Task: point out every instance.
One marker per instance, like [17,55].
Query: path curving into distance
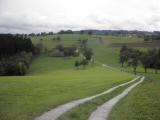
[58,111]
[103,111]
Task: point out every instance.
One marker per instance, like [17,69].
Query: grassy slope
[51,82]
[25,97]
[66,40]
[45,64]
[103,54]
[142,103]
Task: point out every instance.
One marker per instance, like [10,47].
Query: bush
[84,62]
[38,48]
[88,54]
[56,53]
[58,38]
[77,64]
[61,51]
[17,64]
[22,68]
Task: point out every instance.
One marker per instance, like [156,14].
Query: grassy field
[46,65]
[53,81]
[23,98]
[143,102]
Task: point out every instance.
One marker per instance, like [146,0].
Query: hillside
[54,81]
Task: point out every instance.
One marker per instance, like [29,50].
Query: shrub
[77,64]
[17,64]
[38,48]
[84,62]
[61,51]
[22,68]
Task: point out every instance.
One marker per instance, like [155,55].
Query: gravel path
[103,111]
[57,112]
[105,65]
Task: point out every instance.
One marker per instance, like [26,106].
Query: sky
[27,16]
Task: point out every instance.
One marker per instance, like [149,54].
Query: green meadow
[53,81]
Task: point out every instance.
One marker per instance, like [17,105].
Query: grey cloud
[116,24]
[21,24]
[34,20]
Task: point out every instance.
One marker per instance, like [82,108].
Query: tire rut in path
[103,111]
[58,111]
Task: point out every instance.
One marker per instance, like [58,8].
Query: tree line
[12,44]
[16,52]
[62,51]
[134,58]
[152,37]
[52,33]
[41,34]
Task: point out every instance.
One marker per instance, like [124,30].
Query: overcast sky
[26,16]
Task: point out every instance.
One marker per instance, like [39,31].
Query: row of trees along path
[134,58]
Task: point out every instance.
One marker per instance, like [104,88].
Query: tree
[134,64]
[12,44]
[156,60]
[1,68]
[83,43]
[15,53]
[32,34]
[88,54]
[58,38]
[43,33]
[84,62]
[53,39]
[50,33]
[66,32]
[123,58]
[134,60]
[147,38]
[124,55]
[145,60]
[123,48]
[90,32]
[60,47]
[82,32]
[21,68]
[77,64]
[38,48]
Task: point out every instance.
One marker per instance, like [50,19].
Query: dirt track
[103,111]
[57,112]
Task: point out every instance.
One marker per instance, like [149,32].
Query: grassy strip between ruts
[83,111]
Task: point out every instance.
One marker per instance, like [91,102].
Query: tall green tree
[134,60]
[124,55]
[145,60]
